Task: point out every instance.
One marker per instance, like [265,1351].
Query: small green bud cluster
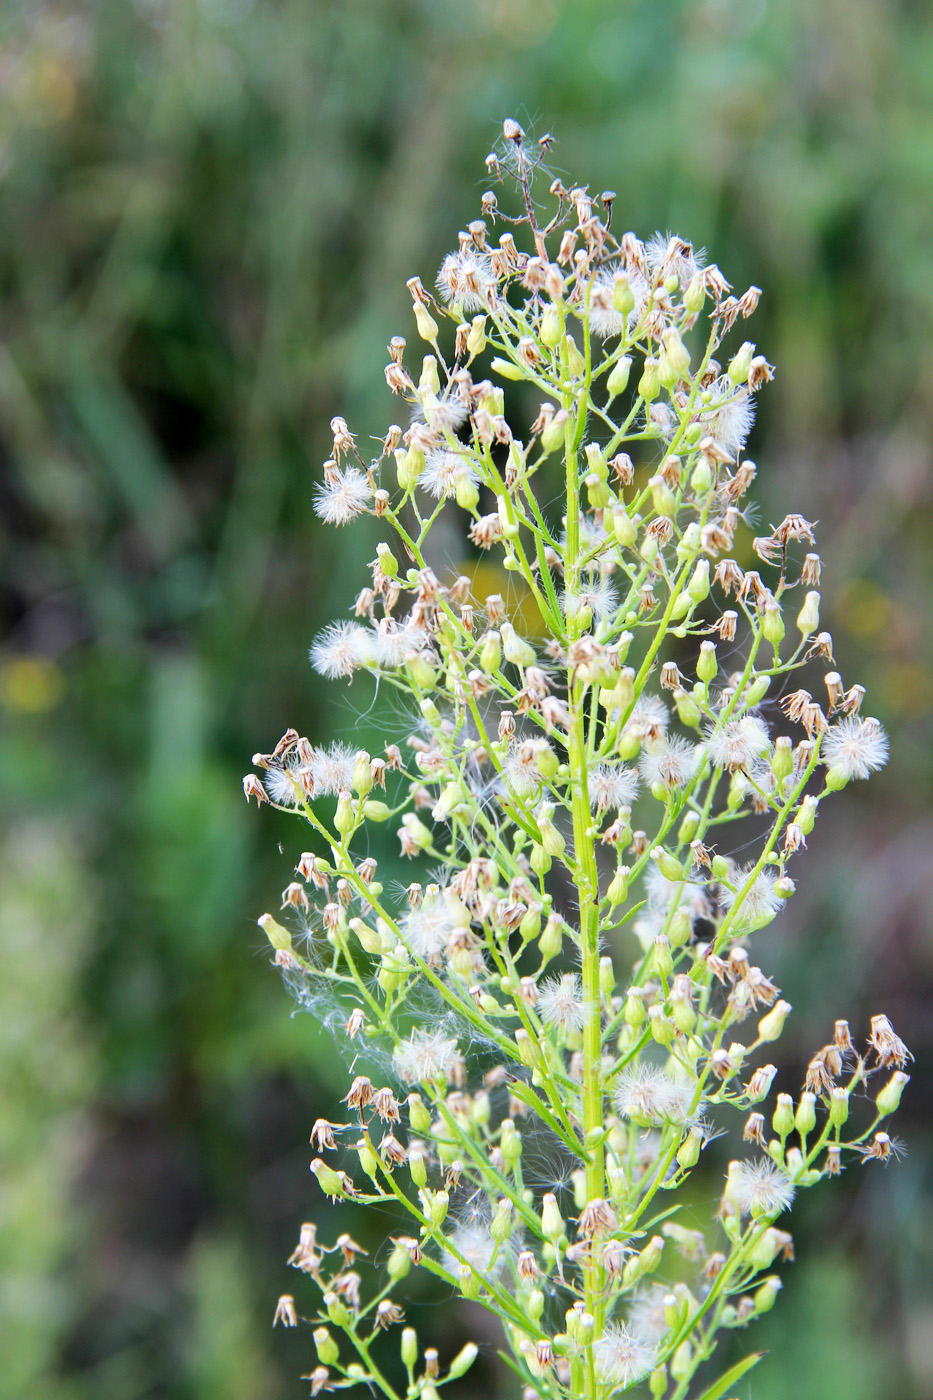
[582,740]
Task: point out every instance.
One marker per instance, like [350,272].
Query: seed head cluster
[523,910]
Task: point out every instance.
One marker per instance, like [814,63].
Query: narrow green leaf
[726,1382]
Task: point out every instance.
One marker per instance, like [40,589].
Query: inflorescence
[581,744]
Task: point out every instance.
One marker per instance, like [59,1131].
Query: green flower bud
[682,1362]
[680,929]
[398,1265]
[683,604]
[678,356]
[617,893]
[598,494]
[362,773]
[688,828]
[719,868]
[429,383]
[418,1115]
[416,1165]
[772,623]
[529,1052]
[450,799]
[644,1263]
[688,711]
[539,860]
[417,830]
[501,1225]
[548,765]
[369,938]
[595,460]
[626,532]
[551,330]
[701,478]
[839,1106]
[510,1142]
[552,434]
[765,1250]
[277,934]
[805,815]
[421,671]
[683,1014]
[756,692]
[741,363]
[662,1030]
[344,818]
[617,381]
[668,865]
[782,759]
[805,1117]
[634,1009]
[517,651]
[623,298]
[551,940]
[530,925]
[534,1304]
[662,497]
[695,294]
[337,1310]
[575,361]
[506,369]
[783,1120]
[427,326]
[387,560]
[808,619]
[688,1153]
[437,1207]
[490,656]
[463,1361]
[466,492]
[552,1222]
[327,1349]
[766,1295]
[698,587]
[476,337]
[889,1097]
[657,1382]
[471,1286]
[771,1025]
[707,665]
[650,382]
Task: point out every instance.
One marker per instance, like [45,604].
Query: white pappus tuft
[465,279]
[758,904]
[671,761]
[612,787]
[341,649]
[854,748]
[737,743]
[758,1188]
[648,1095]
[596,593]
[343,498]
[621,1358]
[444,471]
[427,1055]
[560,1002]
[669,255]
[428,929]
[732,419]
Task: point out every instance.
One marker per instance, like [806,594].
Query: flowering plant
[571,973]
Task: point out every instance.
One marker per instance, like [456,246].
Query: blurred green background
[208,209]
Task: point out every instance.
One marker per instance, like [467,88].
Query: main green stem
[587,880]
